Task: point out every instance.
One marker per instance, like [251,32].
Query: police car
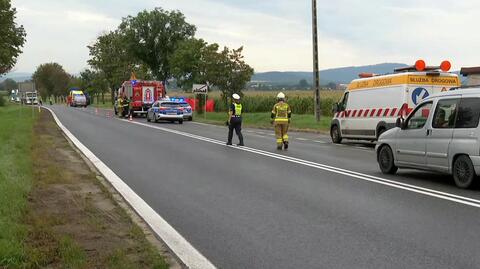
[165,110]
[187,111]
[372,103]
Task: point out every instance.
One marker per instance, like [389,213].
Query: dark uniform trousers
[235,124]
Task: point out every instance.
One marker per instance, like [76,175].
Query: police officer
[281,114]
[235,120]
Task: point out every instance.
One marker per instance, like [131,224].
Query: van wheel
[335,134]
[386,161]
[180,122]
[464,172]
[148,119]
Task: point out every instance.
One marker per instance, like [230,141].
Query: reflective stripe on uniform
[281,111]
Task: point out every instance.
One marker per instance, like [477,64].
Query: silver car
[440,134]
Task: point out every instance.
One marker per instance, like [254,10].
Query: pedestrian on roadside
[281,114]
[235,120]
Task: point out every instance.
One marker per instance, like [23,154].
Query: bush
[2,100]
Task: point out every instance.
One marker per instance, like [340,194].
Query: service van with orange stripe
[372,103]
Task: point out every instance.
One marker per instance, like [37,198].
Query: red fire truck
[142,94]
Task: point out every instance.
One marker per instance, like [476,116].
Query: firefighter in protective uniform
[281,114]
[235,120]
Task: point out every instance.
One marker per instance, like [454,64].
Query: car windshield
[184,104]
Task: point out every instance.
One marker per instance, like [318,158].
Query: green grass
[16,133]
[107,104]
[71,254]
[262,120]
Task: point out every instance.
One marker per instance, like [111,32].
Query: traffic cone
[130,118]
[108,114]
[96,111]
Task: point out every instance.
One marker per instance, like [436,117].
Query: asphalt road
[256,209]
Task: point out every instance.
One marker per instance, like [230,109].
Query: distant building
[342,87]
[472,74]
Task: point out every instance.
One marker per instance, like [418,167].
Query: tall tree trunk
[103,98]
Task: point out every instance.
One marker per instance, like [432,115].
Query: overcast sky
[276,34]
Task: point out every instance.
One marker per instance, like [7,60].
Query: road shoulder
[76,219]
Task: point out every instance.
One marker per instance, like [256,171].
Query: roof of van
[406,78]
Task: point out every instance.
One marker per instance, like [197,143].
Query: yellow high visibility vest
[281,111]
[238,109]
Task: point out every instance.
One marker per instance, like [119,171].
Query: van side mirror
[400,123]
[335,108]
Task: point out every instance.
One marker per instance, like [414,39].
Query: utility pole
[316,74]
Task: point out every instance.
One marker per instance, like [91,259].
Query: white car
[441,134]
[165,110]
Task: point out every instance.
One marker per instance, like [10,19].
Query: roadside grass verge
[16,133]
[262,120]
[54,212]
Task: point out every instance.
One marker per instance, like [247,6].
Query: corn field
[301,102]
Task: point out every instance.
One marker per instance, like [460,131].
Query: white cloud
[276,34]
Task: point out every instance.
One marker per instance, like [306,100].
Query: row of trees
[161,45]
[52,80]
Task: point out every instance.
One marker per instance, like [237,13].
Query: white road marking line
[302,139]
[319,141]
[190,256]
[391,183]
[206,124]
[364,148]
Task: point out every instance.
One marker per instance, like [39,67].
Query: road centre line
[337,170]
[187,253]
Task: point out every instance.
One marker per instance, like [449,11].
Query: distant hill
[337,75]
[17,76]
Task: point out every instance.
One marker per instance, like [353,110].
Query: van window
[343,105]
[445,114]
[468,113]
[419,117]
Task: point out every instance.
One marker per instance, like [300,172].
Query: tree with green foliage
[111,58]
[8,85]
[332,85]
[51,79]
[153,36]
[12,37]
[232,73]
[194,62]
[303,84]
[94,83]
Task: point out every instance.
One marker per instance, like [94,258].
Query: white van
[371,104]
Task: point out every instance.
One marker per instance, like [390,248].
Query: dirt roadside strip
[76,219]
[186,254]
